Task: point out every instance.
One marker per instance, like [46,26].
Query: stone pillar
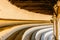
[57,21]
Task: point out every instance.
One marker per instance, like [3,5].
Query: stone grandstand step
[45,35]
[50,37]
[28,33]
[40,32]
[4,35]
[7,22]
[14,29]
[37,37]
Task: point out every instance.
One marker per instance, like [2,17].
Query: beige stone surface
[9,11]
[7,24]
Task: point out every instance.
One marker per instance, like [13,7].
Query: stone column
[57,21]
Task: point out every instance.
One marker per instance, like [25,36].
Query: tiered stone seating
[25,32]
[28,29]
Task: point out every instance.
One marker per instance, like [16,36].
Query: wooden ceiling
[38,6]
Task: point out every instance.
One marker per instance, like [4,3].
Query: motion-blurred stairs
[29,30]
[24,30]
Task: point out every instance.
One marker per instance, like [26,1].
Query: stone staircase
[27,32]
